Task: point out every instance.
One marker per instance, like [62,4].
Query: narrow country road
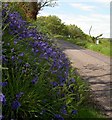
[93,68]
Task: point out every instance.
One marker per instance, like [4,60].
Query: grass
[87,109]
[89,112]
[103,47]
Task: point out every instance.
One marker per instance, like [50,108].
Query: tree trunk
[30,9]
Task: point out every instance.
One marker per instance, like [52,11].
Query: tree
[51,24]
[75,32]
[32,8]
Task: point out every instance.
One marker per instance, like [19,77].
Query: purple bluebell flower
[35,44]
[15,42]
[72,80]
[62,95]
[15,105]
[39,38]
[59,117]
[19,95]
[49,50]
[3,84]
[61,84]
[35,80]
[61,79]
[5,5]
[54,84]
[64,111]
[27,65]
[74,112]
[23,71]
[2,98]
[13,57]
[4,59]
[12,50]
[3,12]
[21,54]
[36,51]
[1,117]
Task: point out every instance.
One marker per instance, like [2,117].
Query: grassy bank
[103,47]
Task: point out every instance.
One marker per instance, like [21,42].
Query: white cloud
[82,6]
[99,22]
[100,1]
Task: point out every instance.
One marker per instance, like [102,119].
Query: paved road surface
[93,68]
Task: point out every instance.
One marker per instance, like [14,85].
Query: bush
[37,78]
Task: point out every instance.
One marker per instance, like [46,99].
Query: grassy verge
[103,47]
[89,112]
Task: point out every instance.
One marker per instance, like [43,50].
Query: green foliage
[53,26]
[75,32]
[50,25]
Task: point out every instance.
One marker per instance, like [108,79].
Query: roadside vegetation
[38,81]
[55,28]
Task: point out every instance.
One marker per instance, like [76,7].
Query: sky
[84,14]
